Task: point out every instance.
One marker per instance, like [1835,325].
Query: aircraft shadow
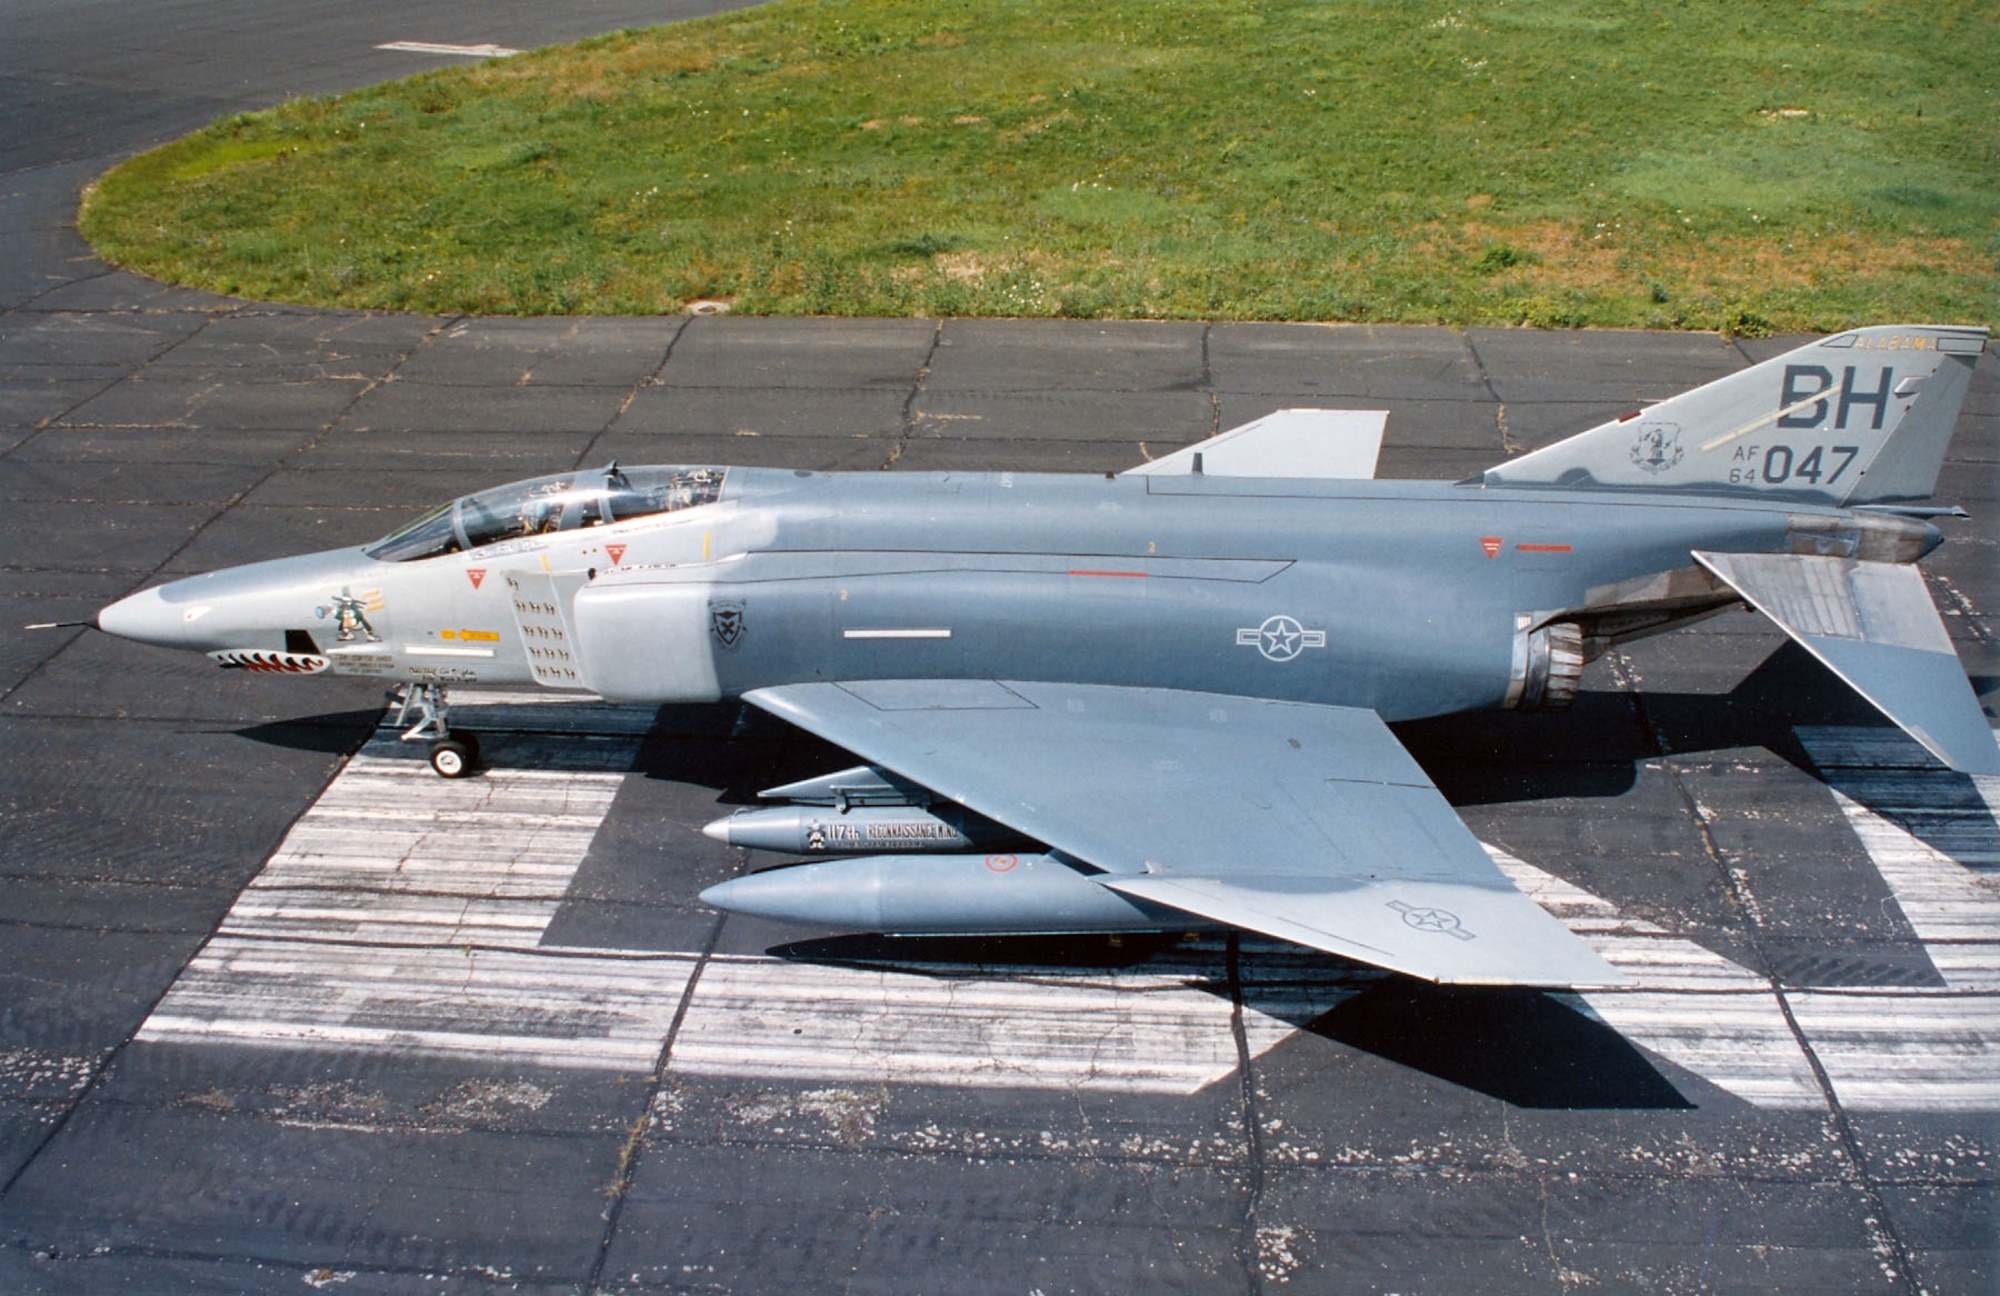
[336,733]
[1803,713]
[1790,705]
[1523,1047]
[1495,757]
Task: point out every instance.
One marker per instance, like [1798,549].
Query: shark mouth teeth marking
[267,662]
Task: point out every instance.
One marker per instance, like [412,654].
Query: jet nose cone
[148,618]
[718,830]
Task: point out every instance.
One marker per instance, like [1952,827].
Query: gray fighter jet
[1159,699]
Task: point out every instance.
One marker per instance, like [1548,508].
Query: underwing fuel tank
[859,830]
[944,895]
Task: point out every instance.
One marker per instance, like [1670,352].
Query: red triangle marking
[1491,544]
[616,551]
[475,575]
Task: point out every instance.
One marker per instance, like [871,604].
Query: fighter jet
[1161,699]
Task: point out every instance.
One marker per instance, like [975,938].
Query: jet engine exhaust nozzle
[1548,667]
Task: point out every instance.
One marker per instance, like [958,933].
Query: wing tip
[1564,965]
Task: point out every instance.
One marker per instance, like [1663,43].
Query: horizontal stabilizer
[1288,443]
[1427,929]
[1874,625]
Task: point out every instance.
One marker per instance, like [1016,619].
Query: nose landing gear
[455,757]
[454,753]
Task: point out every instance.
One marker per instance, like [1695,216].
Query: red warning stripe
[1543,548]
[1079,571]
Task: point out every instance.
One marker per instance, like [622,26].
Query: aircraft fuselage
[1409,598]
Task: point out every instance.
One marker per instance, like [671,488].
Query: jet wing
[1308,823]
[1874,625]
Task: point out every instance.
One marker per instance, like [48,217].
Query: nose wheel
[455,757]
[424,710]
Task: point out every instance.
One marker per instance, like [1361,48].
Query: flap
[1308,823]
[1874,625]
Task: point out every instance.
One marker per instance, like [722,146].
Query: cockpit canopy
[563,502]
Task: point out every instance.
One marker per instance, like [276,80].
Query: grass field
[1749,165]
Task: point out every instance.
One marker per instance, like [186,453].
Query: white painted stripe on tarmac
[1954,911]
[1896,1049]
[405,912]
[1906,1052]
[1687,1003]
[1957,814]
[433,47]
[1917,1051]
[1653,957]
[517,1005]
[1125,1031]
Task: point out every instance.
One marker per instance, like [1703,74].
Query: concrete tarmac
[279,1007]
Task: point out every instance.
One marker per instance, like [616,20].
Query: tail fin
[1862,417]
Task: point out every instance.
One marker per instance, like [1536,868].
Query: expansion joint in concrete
[1509,447]
[1881,1230]
[1248,1250]
[917,388]
[634,1150]
[651,378]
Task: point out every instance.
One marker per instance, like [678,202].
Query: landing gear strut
[423,707]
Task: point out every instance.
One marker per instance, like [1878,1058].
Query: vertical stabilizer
[1860,417]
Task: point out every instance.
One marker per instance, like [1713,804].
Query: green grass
[1750,165]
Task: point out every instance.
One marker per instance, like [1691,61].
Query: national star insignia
[1281,638]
